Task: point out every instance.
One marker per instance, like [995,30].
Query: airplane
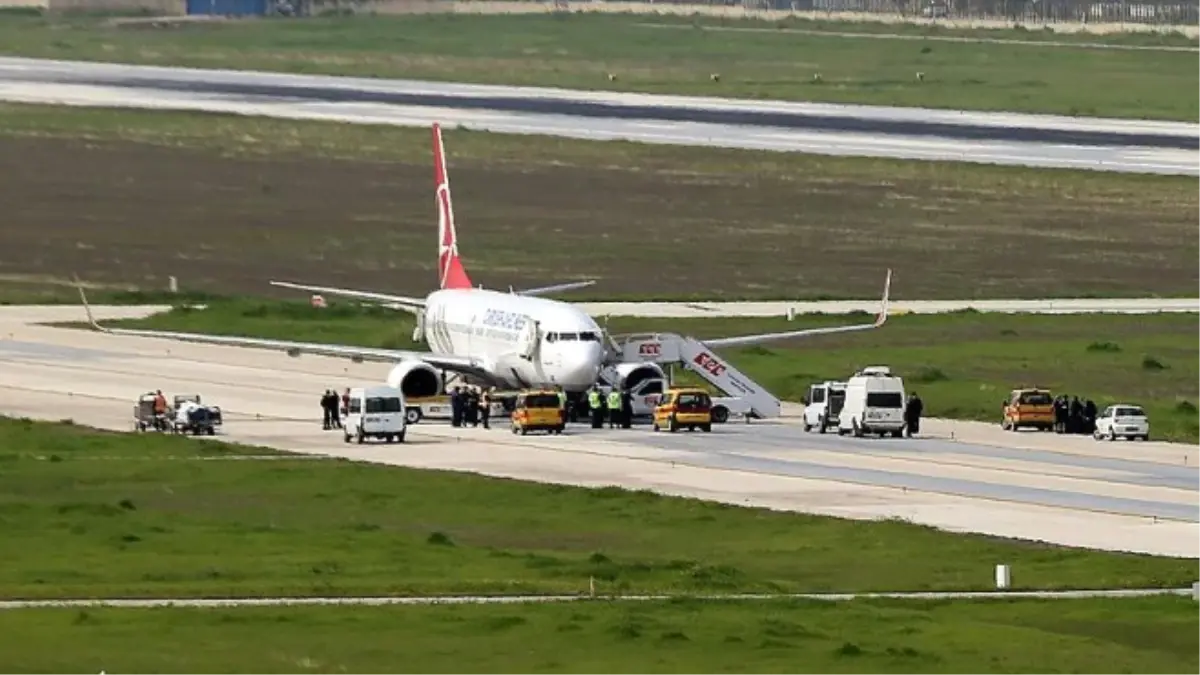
[510,340]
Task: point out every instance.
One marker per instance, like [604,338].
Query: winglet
[883,305]
[86,307]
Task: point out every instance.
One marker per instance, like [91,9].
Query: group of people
[471,406]
[333,408]
[1072,416]
[616,407]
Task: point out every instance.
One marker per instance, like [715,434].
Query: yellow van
[684,407]
[1028,407]
[536,410]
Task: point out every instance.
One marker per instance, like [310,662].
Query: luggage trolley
[144,418]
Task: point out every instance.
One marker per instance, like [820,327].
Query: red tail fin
[450,268]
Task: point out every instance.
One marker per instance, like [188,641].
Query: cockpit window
[573,337]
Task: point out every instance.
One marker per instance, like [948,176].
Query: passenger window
[818,395]
[355,406]
[551,337]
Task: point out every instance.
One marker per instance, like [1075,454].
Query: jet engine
[630,375]
[415,379]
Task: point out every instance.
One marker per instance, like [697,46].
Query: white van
[375,412]
[824,405]
[874,403]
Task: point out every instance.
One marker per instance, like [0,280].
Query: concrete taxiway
[681,310]
[961,476]
[380,601]
[999,138]
[701,310]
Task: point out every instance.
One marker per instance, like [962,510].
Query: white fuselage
[524,341]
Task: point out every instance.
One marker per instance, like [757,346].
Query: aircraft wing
[556,288]
[744,340]
[399,301]
[457,364]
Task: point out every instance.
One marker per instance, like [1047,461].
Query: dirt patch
[131,213]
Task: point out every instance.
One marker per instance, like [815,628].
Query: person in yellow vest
[562,401]
[614,407]
[595,405]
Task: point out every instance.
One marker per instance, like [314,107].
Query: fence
[1146,13]
[1062,14]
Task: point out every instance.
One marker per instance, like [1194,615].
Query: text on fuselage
[495,318]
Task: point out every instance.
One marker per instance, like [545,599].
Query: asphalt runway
[1000,138]
[960,476]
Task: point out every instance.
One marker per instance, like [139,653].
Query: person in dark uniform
[1075,421]
[1060,414]
[626,409]
[335,417]
[456,407]
[912,415]
[326,418]
[1089,417]
[472,407]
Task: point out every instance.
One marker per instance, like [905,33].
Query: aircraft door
[419,329]
[528,340]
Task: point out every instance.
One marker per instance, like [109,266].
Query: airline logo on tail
[451,273]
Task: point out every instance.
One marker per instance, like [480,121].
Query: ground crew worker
[595,404]
[160,410]
[614,407]
[562,401]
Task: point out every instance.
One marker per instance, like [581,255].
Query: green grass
[828,221]
[580,50]
[962,364]
[1077,636]
[90,514]
[48,291]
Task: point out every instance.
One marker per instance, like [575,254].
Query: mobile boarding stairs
[747,399]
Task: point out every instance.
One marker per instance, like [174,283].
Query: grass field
[962,364]
[580,50]
[89,514]
[1077,636]
[225,203]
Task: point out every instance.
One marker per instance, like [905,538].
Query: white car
[1122,419]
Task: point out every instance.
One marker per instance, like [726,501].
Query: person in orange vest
[160,403]
[160,409]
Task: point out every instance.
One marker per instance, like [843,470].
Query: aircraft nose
[581,367]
